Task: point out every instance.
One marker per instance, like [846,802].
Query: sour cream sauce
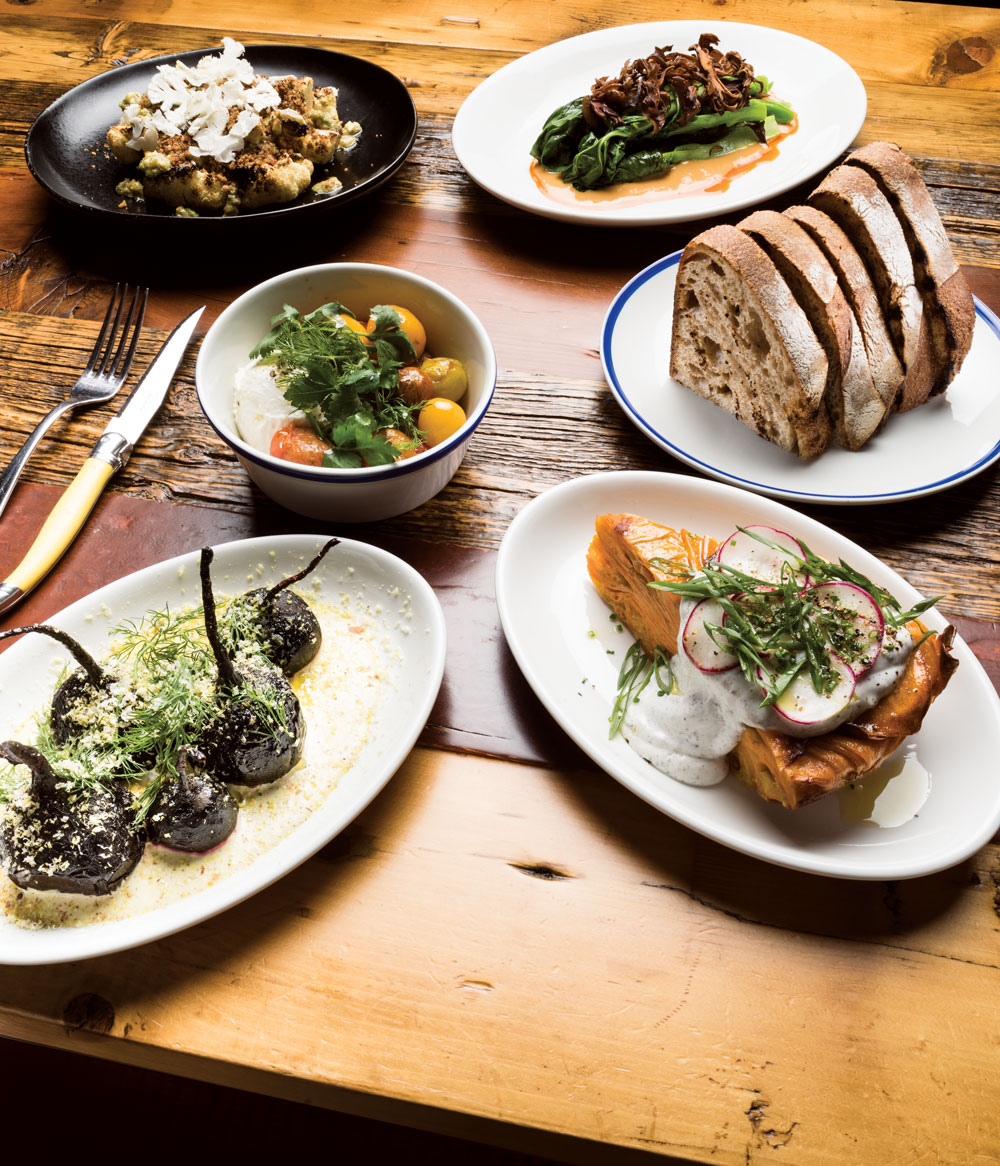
[688,733]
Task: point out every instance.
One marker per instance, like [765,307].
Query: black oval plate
[66,153]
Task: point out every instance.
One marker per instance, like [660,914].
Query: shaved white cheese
[200,102]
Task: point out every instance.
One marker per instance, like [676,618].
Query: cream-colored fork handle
[8,480]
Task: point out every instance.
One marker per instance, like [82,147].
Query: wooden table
[507,945]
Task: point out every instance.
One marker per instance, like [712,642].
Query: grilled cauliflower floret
[263,182]
[119,143]
[291,131]
[324,113]
[219,137]
[191,186]
[296,93]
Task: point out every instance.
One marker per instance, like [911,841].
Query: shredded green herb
[777,630]
[634,675]
[348,387]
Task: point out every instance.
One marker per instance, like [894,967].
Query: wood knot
[969,54]
[538,870]
[89,1011]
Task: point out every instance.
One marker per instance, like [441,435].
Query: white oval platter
[561,636]
[379,589]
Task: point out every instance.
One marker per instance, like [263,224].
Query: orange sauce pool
[707,176]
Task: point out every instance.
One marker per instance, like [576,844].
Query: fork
[106,372]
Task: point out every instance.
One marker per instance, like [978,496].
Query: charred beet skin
[193,812]
[82,689]
[58,840]
[258,733]
[287,629]
[78,690]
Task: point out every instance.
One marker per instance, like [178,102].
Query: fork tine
[124,356]
[114,311]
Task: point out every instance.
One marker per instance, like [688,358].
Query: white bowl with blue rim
[368,493]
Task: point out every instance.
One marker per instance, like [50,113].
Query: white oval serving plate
[379,589]
[569,650]
[500,120]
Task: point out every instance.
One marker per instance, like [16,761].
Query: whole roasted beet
[91,702]
[284,623]
[258,732]
[193,811]
[80,690]
[57,839]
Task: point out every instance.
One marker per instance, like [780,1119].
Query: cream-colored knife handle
[59,530]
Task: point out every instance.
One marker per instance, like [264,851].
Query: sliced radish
[700,647]
[869,622]
[745,553]
[805,708]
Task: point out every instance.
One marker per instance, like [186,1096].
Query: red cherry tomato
[398,439]
[297,444]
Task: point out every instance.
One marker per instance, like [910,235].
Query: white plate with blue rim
[498,122]
[933,804]
[949,439]
[365,592]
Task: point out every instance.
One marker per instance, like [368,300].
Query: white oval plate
[390,596]
[560,633]
[951,438]
[500,120]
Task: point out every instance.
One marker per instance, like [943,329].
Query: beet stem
[228,676]
[95,673]
[273,591]
[43,777]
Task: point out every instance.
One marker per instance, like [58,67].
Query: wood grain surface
[540,430]
[507,945]
[597,970]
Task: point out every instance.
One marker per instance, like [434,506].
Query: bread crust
[855,282]
[853,199]
[855,407]
[736,328]
[948,303]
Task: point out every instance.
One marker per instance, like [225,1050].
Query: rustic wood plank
[540,430]
[590,1031]
[869,40]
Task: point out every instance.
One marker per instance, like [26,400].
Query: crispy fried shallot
[671,87]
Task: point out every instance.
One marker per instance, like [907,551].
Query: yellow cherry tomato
[355,326]
[447,375]
[410,325]
[439,419]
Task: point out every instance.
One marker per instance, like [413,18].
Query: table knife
[111,452]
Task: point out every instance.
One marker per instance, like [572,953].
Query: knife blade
[112,451]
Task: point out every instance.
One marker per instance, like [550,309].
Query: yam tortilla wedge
[793,771]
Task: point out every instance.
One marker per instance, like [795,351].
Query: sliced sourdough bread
[856,284]
[853,199]
[741,339]
[948,306]
[856,409]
